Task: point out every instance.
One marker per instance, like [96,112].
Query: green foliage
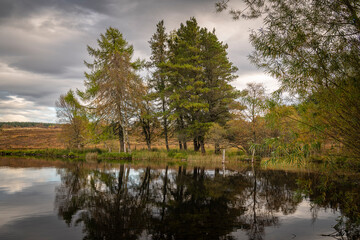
[292,152]
[176,154]
[199,75]
[313,49]
[159,83]
[78,155]
[236,153]
[113,89]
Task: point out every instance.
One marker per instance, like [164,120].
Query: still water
[72,201]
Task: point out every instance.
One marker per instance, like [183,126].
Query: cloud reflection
[14,180]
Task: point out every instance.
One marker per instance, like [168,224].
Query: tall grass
[157,157]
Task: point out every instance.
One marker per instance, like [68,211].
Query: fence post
[223,159]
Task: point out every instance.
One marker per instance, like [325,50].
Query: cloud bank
[43,45]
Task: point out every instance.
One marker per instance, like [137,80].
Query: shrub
[91,156]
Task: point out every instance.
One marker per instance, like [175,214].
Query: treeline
[188,96]
[27,124]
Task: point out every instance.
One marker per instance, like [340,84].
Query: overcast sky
[43,45]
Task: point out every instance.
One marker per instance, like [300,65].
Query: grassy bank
[182,158]
[137,155]
[81,155]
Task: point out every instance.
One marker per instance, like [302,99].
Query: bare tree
[70,112]
[253,98]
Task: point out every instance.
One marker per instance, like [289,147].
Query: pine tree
[113,89]
[159,81]
[218,72]
[184,72]
[199,74]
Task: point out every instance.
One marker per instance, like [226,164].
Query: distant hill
[27,124]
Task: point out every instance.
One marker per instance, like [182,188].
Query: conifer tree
[113,89]
[185,79]
[218,72]
[199,74]
[159,81]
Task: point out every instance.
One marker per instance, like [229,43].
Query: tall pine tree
[112,86]
[199,74]
[184,71]
[218,72]
[159,80]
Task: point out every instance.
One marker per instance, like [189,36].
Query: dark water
[124,202]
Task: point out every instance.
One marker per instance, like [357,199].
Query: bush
[71,155]
[235,153]
[91,156]
[178,154]
[171,153]
[181,155]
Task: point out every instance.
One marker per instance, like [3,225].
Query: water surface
[75,201]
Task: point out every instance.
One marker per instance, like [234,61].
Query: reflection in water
[197,204]
[14,180]
[338,193]
[27,205]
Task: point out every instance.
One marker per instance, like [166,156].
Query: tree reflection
[269,192]
[107,204]
[184,203]
[197,205]
[338,192]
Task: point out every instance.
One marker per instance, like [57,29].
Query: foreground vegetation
[233,159]
[103,155]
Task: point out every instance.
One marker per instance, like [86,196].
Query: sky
[43,45]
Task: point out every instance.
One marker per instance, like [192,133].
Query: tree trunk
[182,127]
[217,148]
[121,138]
[166,138]
[128,145]
[202,145]
[125,139]
[147,132]
[196,144]
[180,145]
[165,125]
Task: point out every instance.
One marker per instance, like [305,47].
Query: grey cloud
[42,93]
[4,95]
[24,8]
[43,42]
